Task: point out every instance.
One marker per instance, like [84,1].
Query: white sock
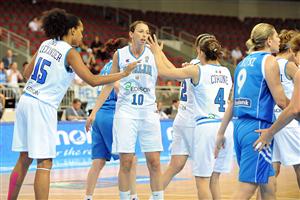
[124,195]
[158,195]
[88,197]
[133,197]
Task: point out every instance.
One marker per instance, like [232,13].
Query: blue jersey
[252,97]
[110,103]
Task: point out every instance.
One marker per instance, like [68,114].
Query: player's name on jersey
[51,51]
[215,79]
[143,69]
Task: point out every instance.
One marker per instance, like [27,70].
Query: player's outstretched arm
[75,60]
[165,68]
[291,112]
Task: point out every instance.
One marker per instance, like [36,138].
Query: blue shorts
[255,167]
[102,135]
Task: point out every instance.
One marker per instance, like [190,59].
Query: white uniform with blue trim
[184,123]
[136,109]
[36,115]
[286,149]
[211,95]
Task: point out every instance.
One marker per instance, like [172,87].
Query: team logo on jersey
[146,59]
[131,87]
[127,60]
[243,102]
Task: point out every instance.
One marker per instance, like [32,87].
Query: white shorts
[204,163]
[182,142]
[126,131]
[286,149]
[35,128]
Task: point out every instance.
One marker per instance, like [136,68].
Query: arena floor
[70,184]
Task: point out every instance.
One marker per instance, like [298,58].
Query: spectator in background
[162,114]
[8,59]
[14,76]
[172,111]
[2,104]
[35,24]
[91,60]
[96,45]
[3,75]
[98,49]
[75,112]
[236,55]
[25,64]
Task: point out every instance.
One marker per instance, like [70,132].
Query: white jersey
[136,97]
[212,92]
[185,115]
[51,75]
[288,86]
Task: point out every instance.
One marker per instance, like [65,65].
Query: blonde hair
[259,35]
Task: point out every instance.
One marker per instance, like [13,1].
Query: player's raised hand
[264,139]
[153,44]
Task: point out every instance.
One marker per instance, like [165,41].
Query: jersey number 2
[183,96]
[220,100]
[39,67]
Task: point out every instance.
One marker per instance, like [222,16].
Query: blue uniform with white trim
[102,126]
[253,109]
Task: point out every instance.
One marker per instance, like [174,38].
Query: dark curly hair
[57,22]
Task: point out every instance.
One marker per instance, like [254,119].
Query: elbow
[295,110]
[282,103]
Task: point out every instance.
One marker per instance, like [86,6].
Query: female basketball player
[136,114]
[49,75]
[286,142]
[256,86]
[102,127]
[210,84]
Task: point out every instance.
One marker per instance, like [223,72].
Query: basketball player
[256,86]
[49,75]
[102,127]
[183,125]
[211,85]
[136,114]
[286,148]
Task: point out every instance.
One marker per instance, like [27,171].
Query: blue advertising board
[73,145]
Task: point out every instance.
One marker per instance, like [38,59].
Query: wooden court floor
[70,183]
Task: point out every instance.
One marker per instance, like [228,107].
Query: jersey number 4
[39,73]
[220,100]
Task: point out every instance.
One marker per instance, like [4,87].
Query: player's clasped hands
[264,139]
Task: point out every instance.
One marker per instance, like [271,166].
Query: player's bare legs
[176,165]
[97,166]
[202,184]
[214,185]
[42,178]
[17,175]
